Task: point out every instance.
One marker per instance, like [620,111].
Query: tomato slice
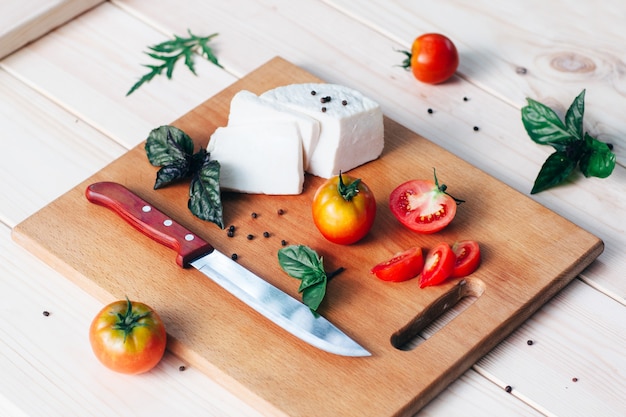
[422,205]
[403,266]
[467,258]
[438,265]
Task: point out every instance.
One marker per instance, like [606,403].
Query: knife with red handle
[276,305]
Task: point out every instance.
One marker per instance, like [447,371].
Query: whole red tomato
[433,58]
[128,337]
[344,209]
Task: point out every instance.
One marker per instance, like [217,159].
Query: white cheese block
[246,107]
[351,125]
[259,158]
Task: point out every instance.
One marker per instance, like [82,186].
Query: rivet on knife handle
[149,220]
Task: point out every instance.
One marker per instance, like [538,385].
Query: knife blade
[276,305]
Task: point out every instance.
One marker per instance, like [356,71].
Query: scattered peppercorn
[250,237]
[529,342]
[430,111]
[323,109]
[508,388]
[46,313]
[231,227]
[521,70]
[344,102]
[230,233]
[325,99]
[574,379]
[313,92]
[181,368]
[266,234]
[476,128]
[283,242]
[610,145]
[234,256]
[281,212]
[465,99]
[254,215]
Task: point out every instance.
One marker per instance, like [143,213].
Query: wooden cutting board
[529,254]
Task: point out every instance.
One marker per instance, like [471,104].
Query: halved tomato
[423,206]
[438,265]
[403,266]
[467,254]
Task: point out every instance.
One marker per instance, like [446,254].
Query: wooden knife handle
[149,220]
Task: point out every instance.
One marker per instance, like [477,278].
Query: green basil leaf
[574,116]
[170,173]
[598,160]
[300,262]
[544,126]
[555,170]
[168,145]
[313,296]
[204,193]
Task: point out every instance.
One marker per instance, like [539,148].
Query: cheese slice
[259,158]
[246,107]
[351,125]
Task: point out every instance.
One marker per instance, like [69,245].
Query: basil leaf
[204,193]
[544,126]
[170,173]
[598,160]
[574,116]
[302,262]
[555,170]
[313,296]
[168,145]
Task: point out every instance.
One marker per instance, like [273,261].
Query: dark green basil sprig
[303,263]
[172,149]
[170,51]
[573,147]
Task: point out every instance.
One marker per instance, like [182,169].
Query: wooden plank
[24,21]
[410,381]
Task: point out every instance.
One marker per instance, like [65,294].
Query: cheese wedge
[246,108]
[351,125]
[259,158]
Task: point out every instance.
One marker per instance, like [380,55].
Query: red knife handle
[149,220]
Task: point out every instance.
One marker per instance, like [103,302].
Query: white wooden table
[64,116]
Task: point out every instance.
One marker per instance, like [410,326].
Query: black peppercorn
[313,92]
[476,128]
[234,256]
[529,342]
[344,102]
[281,212]
[181,368]
[283,242]
[46,313]
[323,109]
[430,111]
[254,215]
[508,388]
[250,237]
[266,234]
[230,233]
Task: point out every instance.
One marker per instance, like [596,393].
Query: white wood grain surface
[65,116]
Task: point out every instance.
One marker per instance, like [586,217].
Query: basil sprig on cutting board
[172,149]
[573,146]
[303,263]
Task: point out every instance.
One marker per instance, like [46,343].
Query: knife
[276,305]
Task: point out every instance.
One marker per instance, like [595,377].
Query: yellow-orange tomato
[434,58]
[128,337]
[344,209]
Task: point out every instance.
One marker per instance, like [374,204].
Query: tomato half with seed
[423,206]
[467,258]
[128,337]
[401,267]
[344,209]
[434,58]
[438,265]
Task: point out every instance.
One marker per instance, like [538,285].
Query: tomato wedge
[423,206]
[467,258]
[438,265]
[401,267]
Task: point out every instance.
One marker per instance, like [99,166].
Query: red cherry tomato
[467,258]
[422,205]
[344,209]
[403,266]
[438,265]
[434,58]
